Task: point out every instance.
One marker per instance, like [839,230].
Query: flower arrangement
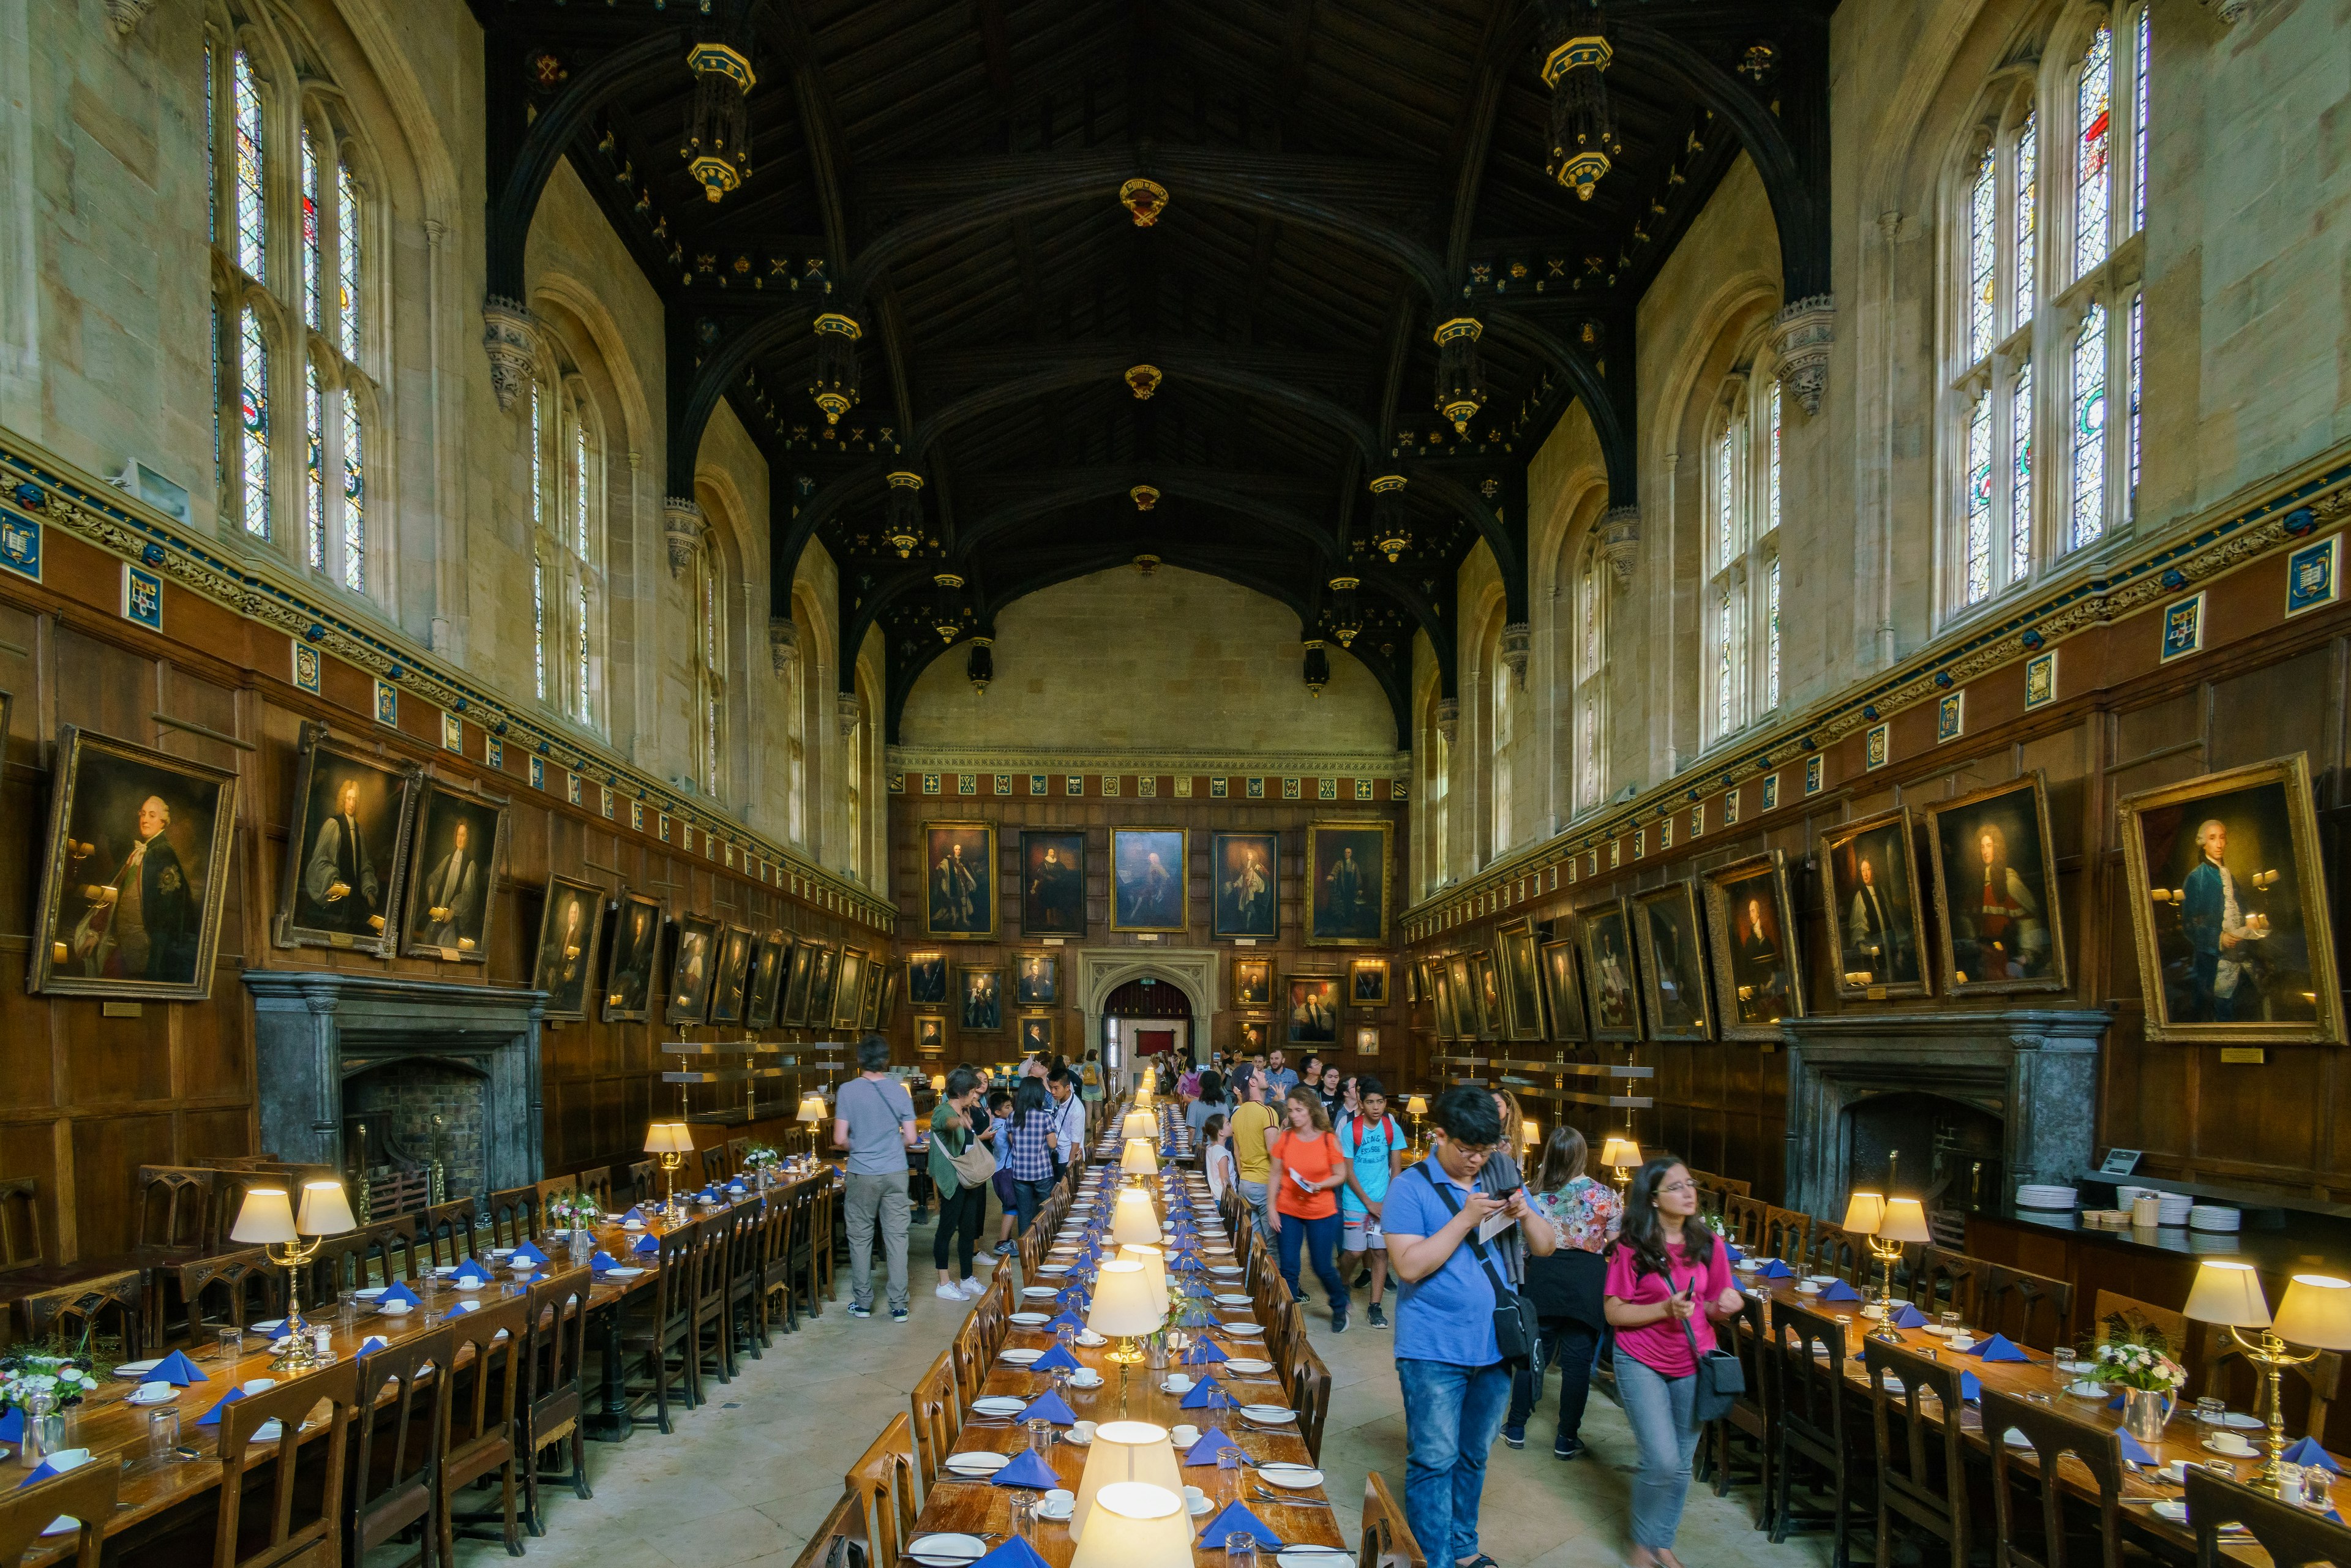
[760,1156]
[2137,1359]
[574,1210]
[28,1370]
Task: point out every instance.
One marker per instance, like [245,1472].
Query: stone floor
[744,1479]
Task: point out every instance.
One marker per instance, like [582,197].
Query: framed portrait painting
[135,876]
[927,979]
[346,848]
[1367,982]
[1038,1032]
[1563,990]
[1673,965]
[767,971]
[1037,980]
[980,991]
[2000,928]
[1252,982]
[1149,890]
[1440,1002]
[1250,1037]
[1520,978]
[1759,975]
[569,928]
[1367,1040]
[635,958]
[1485,982]
[730,984]
[1247,872]
[959,880]
[2229,886]
[1313,1010]
[1462,974]
[869,1010]
[460,842]
[849,987]
[820,986]
[792,1012]
[889,1001]
[692,970]
[1605,933]
[1874,920]
[1347,866]
[931,1034]
[1052,882]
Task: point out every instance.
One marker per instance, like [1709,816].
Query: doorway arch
[1193,971]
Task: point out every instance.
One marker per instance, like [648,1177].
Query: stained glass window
[1771,481]
[314,473]
[212,161]
[1983,250]
[2144,41]
[347,258]
[311,259]
[2090,427]
[219,473]
[1723,521]
[244,97]
[2138,331]
[354,498]
[2028,213]
[2093,152]
[537,469]
[580,644]
[2020,491]
[1724,669]
[539,626]
[252,416]
[1771,634]
[580,490]
[1980,498]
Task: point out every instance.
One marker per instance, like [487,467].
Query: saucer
[2247,1452]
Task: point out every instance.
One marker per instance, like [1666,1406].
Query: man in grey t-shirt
[873,1119]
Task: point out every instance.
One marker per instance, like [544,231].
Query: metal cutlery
[1288,1500]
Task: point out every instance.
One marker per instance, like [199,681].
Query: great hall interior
[1764,578]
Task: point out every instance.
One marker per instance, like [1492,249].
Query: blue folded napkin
[374,1342]
[1057,1356]
[1014,1553]
[460,1310]
[1204,1452]
[177,1370]
[1732,1248]
[211,1416]
[43,1472]
[1236,1518]
[2133,1449]
[738,1188]
[1970,1388]
[1208,1394]
[1027,1471]
[1049,1407]
[602,1261]
[527,1253]
[647,1244]
[1906,1316]
[1203,1351]
[1997,1348]
[1775,1269]
[1838,1290]
[396,1292]
[1065,1316]
[634,1213]
[2308,1452]
[707,1195]
[11,1426]
[1198,1317]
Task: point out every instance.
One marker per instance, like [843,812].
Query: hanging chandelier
[1389,536]
[1460,377]
[1145,497]
[1143,381]
[980,668]
[834,387]
[947,613]
[1145,200]
[906,520]
[717,147]
[1346,614]
[1318,667]
[1576,56]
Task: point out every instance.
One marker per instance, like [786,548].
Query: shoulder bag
[1514,1315]
[975,1163]
[1720,1379]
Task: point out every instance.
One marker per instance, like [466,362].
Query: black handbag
[1720,1379]
[1514,1315]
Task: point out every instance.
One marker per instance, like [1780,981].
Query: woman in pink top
[1668,1280]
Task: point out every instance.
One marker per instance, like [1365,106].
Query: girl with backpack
[1565,1287]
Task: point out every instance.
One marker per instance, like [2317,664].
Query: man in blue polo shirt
[1456,1383]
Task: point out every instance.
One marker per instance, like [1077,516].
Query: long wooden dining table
[153,1491]
[1302,1518]
[2037,1380]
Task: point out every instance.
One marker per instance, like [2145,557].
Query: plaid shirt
[1026,1157]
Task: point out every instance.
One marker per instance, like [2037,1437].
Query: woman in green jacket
[961,1208]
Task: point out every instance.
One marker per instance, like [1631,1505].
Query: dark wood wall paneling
[1201,818]
[90,1098]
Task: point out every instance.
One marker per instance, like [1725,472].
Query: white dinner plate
[1052,1268]
[372,1293]
[1296,1478]
[1232,1299]
[999,1404]
[268,1325]
[64,1524]
[2176,1510]
[978,1463]
[1040,1293]
[1314,1557]
[624,1272]
[1032,1320]
[2015,1438]
[269,1431]
[1243,1331]
[1270,1414]
[1020,1357]
[134,1370]
[2241,1421]
[945,1551]
[1245,1367]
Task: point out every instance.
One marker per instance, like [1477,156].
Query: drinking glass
[1041,1435]
[1950,1324]
[1228,1473]
[1024,1516]
[232,1343]
[347,1305]
[162,1434]
[1066,1334]
[2209,1410]
[2086,1357]
[1240,1550]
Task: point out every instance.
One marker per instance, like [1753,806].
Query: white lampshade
[1154,1269]
[670,1138]
[811,1108]
[1122,1305]
[265,1216]
[1138,1124]
[1863,1213]
[1140,1158]
[1417,1106]
[2226,1292]
[2315,1312]
[1620,1154]
[1905,1220]
[326,1211]
[1124,1452]
[1135,1524]
[938,1082]
[1134,1219]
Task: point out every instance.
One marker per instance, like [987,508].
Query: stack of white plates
[2040,1196]
[2214,1216]
[2174,1207]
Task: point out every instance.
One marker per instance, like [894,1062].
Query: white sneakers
[974,1289]
[948,1294]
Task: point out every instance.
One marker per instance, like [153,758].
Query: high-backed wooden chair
[660,1331]
[478,1427]
[392,1252]
[2031,1309]
[446,1232]
[553,1399]
[303,1526]
[713,1166]
[85,1494]
[514,1216]
[1943,1281]
[1748,1426]
[1914,1405]
[1742,1221]
[2017,1542]
[1814,1438]
[883,1483]
[401,1386]
[227,1290]
[1386,1540]
[937,1416]
[110,1305]
[967,1352]
[597,1183]
[746,1231]
[2292,1536]
[774,1307]
[1788,1234]
[2110,1309]
[178,1206]
[20,1222]
[1310,1393]
[1836,1251]
[736,1150]
[711,1344]
[644,1181]
[833,1542]
[552,1187]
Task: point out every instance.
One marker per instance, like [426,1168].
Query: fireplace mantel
[313,1028]
[2035,1068]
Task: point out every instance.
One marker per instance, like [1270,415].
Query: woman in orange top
[1308,1171]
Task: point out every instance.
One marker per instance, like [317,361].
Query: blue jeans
[1321,1239]
[1028,1197]
[1450,1415]
[1659,1409]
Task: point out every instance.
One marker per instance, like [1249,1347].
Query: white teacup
[396,1308]
[1085,1377]
[1081,1431]
[2229,1443]
[1177,1382]
[1057,1504]
[1185,1435]
[2176,1472]
[1194,1497]
[152,1392]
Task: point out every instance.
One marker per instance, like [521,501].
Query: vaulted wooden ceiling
[1340,179]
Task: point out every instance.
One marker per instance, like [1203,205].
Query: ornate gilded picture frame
[1758,967]
[1875,917]
[1999,925]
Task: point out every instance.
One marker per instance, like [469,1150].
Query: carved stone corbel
[1448,719]
[783,642]
[1620,541]
[851,708]
[1802,336]
[682,527]
[126,14]
[1516,638]
[510,337]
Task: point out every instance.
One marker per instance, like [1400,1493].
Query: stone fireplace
[440,1075]
[1974,1101]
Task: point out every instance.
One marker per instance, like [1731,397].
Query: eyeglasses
[1678,1186]
[1476,1151]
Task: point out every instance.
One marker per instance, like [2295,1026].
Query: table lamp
[1140,1159]
[1417,1107]
[1138,1124]
[1155,1270]
[812,1112]
[2316,1311]
[1134,1218]
[268,1217]
[1623,1155]
[1125,1452]
[1122,1309]
[1135,1524]
[938,1082]
[1887,1223]
[670,1142]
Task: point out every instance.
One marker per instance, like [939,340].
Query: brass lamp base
[1886,1256]
[2269,1353]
